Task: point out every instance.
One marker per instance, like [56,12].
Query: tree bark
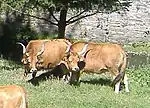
[62,23]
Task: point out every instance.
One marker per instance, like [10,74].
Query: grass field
[93,92]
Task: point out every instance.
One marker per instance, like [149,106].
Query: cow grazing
[30,53]
[43,54]
[98,58]
[53,53]
[12,96]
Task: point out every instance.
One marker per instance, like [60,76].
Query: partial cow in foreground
[12,96]
[98,58]
[43,54]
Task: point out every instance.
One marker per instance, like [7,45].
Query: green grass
[93,92]
[138,47]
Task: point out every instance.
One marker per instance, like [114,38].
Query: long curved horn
[24,49]
[68,49]
[68,46]
[42,48]
[83,50]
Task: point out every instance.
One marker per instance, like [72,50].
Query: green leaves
[101,5]
[63,12]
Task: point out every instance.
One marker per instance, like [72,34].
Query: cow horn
[42,49]
[83,50]
[24,49]
[68,49]
[68,46]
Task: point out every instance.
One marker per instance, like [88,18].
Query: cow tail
[121,70]
[118,78]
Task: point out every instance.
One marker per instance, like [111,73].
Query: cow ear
[85,54]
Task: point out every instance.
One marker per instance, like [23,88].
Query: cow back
[54,52]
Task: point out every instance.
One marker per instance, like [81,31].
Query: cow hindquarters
[117,80]
[118,77]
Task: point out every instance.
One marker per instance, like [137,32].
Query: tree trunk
[62,23]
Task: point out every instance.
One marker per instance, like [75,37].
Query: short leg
[34,74]
[67,77]
[126,83]
[75,77]
[116,80]
[117,87]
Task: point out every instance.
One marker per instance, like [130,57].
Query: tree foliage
[79,8]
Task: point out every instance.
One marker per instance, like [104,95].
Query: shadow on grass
[100,81]
[93,81]
[54,73]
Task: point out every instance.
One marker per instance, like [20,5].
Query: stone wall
[130,26]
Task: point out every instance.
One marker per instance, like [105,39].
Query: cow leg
[34,74]
[66,73]
[116,80]
[33,71]
[118,76]
[72,77]
[75,78]
[25,73]
[117,87]
[126,83]
[66,77]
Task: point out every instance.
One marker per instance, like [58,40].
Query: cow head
[30,58]
[76,60]
[26,57]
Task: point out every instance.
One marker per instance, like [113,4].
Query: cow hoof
[117,92]
[127,91]
[66,79]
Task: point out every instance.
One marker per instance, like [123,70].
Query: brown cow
[43,54]
[53,53]
[98,58]
[12,96]
[30,53]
